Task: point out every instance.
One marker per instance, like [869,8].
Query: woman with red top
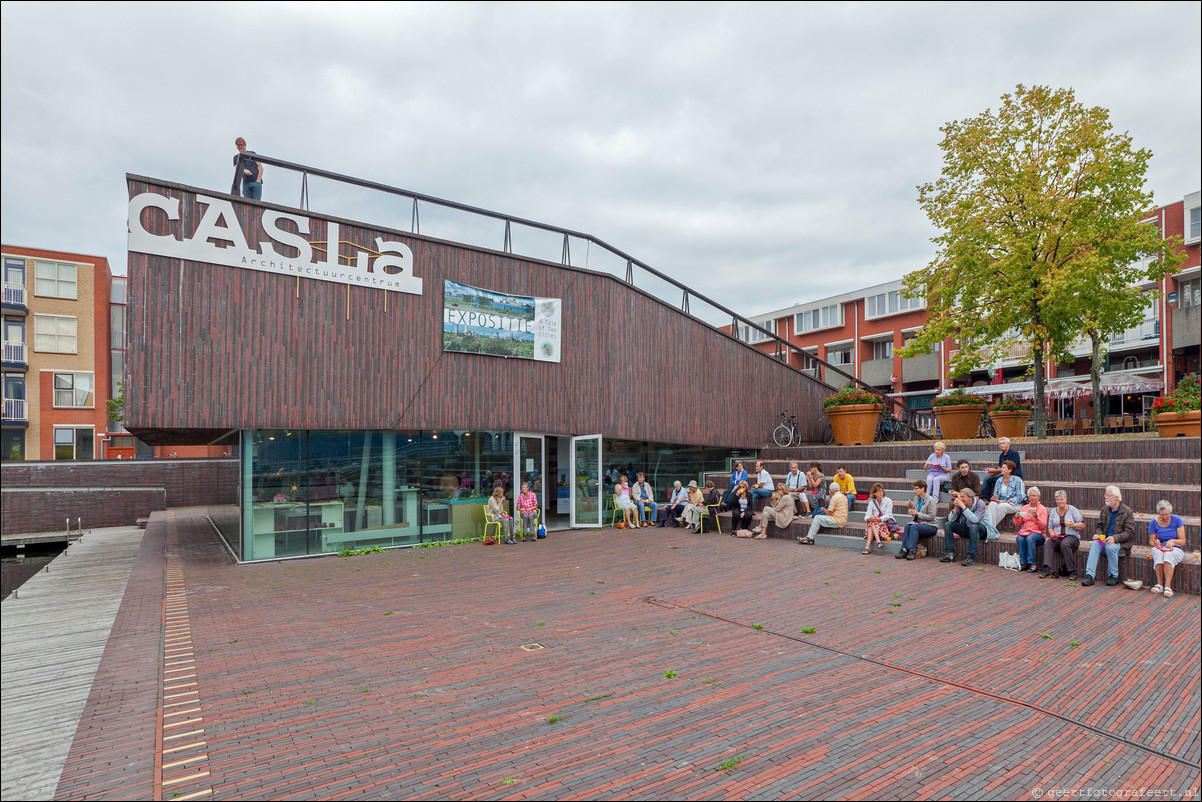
[1032,522]
[527,507]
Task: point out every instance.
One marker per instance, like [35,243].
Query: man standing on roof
[248,171]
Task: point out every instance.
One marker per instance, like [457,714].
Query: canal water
[16,570]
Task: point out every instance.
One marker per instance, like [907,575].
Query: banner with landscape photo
[479,321]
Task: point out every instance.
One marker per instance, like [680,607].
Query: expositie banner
[478,321]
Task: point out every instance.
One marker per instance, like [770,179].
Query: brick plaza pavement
[400,675]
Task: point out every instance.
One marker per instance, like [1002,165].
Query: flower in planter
[1184,399]
[958,397]
[1011,404]
[849,395]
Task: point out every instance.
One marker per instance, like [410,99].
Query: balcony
[15,356]
[1187,327]
[877,372]
[1148,330]
[920,368]
[16,410]
[14,297]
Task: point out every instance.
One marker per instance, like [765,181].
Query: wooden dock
[54,631]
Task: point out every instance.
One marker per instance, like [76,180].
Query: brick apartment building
[861,332]
[64,354]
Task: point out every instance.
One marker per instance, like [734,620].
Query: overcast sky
[733,147]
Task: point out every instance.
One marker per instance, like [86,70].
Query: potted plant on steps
[853,413]
[959,414]
[1010,416]
[1178,414]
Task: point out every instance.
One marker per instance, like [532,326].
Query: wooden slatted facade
[215,348]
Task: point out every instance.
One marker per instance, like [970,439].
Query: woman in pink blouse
[527,507]
[1032,521]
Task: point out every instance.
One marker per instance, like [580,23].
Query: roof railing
[781,345]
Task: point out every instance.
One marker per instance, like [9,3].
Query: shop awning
[1116,383]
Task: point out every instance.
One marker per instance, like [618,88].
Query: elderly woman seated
[1065,526]
[1008,495]
[1167,538]
[1032,522]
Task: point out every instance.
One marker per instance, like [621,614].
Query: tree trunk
[1041,423]
[1095,376]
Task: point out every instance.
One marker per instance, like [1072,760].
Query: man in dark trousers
[248,172]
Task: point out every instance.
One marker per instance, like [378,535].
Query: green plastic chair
[522,524]
[715,508]
[491,521]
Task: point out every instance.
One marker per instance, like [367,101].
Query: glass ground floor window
[323,492]
[662,463]
[319,492]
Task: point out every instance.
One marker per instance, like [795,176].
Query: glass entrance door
[586,481]
[530,465]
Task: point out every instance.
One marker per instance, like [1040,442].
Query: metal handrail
[567,233]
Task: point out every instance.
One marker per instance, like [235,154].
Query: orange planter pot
[1010,424]
[1179,424]
[855,424]
[959,422]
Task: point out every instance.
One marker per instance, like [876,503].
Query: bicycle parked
[786,431]
[889,428]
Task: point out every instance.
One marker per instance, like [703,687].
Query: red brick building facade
[861,332]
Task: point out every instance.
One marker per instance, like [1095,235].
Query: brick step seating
[1086,497]
[1064,450]
[1137,566]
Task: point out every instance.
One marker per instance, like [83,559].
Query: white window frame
[842,349]
[57,319]
[829,316]
[74,389]
[889,303]
[54,444]
[1191,236]
[1189,292]
[59,283]
[876,345]
[750,335]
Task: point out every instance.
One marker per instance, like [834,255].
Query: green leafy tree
[116,405]
[1035,203]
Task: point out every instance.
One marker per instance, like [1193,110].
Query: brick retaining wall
[40,496]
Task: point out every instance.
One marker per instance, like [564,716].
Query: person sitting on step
[847,485]
[795,483]
[763,488]
[966,519]
[1114,534]
[1166,533]
[694,508]
[742,510]
[1032,522]
[880,520]
[1065,526]
[835,516]
[964,477]
[1008,495]
[814,498]
[780,512]
[676,503]
[922,508]
[939,469]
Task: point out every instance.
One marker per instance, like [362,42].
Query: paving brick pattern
[400,675]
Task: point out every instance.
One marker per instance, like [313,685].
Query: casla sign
[389,268]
